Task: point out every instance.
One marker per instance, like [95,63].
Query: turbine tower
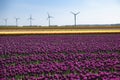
[30,18]
[5,21]
[49,19]
[75,15]
[16,19]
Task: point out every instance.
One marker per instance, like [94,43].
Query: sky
[91,11]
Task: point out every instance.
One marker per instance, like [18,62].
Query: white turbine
[30,18]
[75,15]
[6,20]
[49,19]
[16,20]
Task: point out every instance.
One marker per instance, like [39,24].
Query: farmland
[59,30]
[60,57]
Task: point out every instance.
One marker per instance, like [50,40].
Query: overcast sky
[91,11]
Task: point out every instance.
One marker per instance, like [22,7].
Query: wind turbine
[5,21]
[49,19]
[16,19]
[30,18]
[75,15]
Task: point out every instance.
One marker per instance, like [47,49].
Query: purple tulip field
[60,57]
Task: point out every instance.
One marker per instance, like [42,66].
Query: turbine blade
[51,17]
[72,12]
[77,13]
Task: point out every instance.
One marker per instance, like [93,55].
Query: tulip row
[37,59]
[60,57]
[21,45]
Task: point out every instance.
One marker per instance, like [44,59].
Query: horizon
[92,12]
